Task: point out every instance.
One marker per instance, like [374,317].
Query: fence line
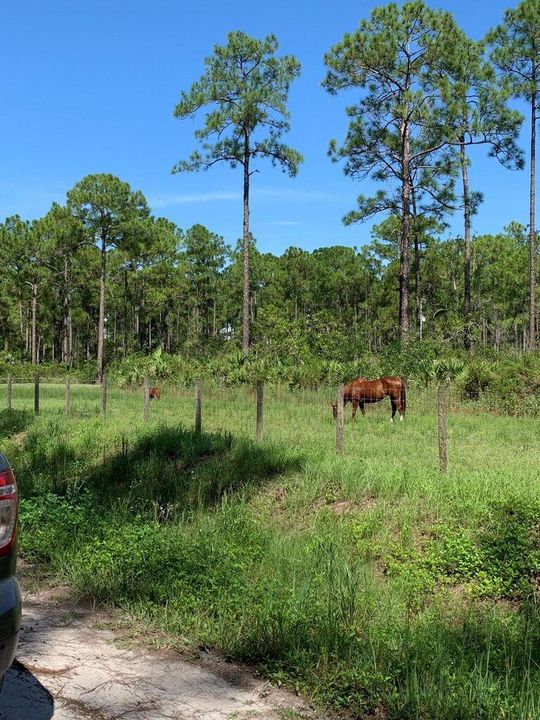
[294,416]
[418,397]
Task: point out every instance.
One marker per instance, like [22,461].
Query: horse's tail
[403,396]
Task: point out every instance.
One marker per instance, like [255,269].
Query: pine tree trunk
[140,321]
[34,350]
[66,330]
[468,246]
[245,251]
[417,299]
[21,320]
[404,250]
[101,322]
[70,343]
[126,340]
[532,231]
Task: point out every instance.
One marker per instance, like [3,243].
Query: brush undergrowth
[368,581]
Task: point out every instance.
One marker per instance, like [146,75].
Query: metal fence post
[9,393]
[260,409]
[146,411]
[198,407]
[339,420]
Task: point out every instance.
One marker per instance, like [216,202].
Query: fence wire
[295,416]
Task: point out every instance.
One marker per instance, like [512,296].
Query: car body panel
[10,599]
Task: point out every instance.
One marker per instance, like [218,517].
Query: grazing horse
[154,393]
[361,391]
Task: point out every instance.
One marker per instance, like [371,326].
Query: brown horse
[361,391]
[154,393]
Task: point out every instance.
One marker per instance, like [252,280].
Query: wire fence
[297,418]
[262,410]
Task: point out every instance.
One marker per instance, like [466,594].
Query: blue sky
[91,86]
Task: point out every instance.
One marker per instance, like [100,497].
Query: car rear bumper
[10,621]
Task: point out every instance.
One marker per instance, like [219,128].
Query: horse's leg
[402,402]
[354,408]
[397,404]
[362,407]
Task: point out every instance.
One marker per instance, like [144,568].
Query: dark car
[10,593]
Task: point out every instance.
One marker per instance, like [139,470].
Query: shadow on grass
[131,526]
[172,466]
[14,421]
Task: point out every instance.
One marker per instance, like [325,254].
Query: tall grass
[368,581]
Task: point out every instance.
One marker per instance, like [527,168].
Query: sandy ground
[73,664]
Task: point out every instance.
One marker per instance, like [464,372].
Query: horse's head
[334,409]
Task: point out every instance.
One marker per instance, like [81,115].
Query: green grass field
[369,581]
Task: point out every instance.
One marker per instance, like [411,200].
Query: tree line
[100,276]
[183,291]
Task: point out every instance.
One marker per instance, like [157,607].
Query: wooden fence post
[198,415]
[36,393]
[9,393]
[441,413]
[260,409]
[339,420]
[146,411]
[68,396]
[104,395]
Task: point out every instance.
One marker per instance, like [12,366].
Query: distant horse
[154,393]
[361,391]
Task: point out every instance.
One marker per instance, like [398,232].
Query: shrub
[478,378]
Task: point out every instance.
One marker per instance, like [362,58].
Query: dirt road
[70,666]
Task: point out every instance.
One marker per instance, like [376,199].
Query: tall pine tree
[247,87]
[516,52]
